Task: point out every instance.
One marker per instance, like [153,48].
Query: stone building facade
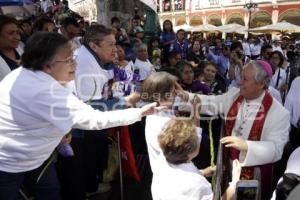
[221,12]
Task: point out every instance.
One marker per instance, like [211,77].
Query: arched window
[179,4]
[167,5]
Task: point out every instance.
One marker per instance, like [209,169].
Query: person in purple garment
[187,79]
[181,44]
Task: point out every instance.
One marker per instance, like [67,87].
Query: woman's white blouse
[36,112]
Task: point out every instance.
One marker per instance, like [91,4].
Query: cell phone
[247,190]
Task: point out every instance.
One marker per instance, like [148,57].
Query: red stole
[255,132]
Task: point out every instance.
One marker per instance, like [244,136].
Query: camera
[247,190]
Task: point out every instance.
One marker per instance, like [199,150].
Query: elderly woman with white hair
[141,63]
[256,125]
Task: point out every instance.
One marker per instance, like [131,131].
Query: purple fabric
[65,150]
[121,77]
[197,87]
[120,74]
[181,48]
[136,76]
[167,36]
[266,66]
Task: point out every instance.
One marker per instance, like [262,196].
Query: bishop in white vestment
[256,124]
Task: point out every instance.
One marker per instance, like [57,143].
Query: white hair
[139,46]
[260,73]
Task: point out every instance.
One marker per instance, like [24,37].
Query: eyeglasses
[70,60]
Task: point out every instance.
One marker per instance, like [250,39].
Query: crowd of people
[64,81]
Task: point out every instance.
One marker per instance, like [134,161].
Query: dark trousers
[254,57]
[82,173]
[47,188]
[295,137]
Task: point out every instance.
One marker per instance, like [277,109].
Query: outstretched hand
[235,142]
[152,108]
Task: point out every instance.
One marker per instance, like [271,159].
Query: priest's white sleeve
[216,104]
[274,136]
